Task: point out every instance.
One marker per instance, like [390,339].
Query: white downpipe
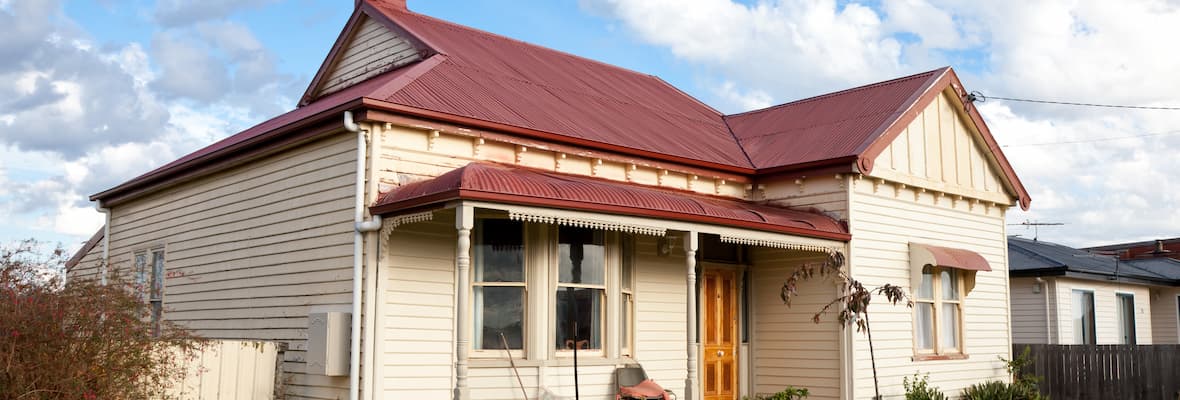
[106,243]
[361,226]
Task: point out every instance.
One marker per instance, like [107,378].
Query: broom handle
[513,364]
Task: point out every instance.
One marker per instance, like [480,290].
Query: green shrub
[920,389]
[790,393]
[990,390]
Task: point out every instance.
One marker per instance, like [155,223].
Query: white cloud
[77,117]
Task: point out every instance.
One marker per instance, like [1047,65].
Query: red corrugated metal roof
[484,80]
[497,79]
[515,185]
[831,126]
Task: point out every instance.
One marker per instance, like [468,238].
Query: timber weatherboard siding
[1105,309]
[788,349]
[1030,319]
[372,50]
[250,250]
[912,197]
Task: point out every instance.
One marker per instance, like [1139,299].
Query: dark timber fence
[1085,372]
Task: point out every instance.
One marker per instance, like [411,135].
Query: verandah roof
[516,185]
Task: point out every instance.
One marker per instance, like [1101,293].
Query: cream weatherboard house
[470,197]
[1063,295]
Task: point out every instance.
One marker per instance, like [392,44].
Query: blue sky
[96,92]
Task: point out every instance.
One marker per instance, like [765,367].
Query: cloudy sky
[95,92]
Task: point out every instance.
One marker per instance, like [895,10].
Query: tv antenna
[1035,225]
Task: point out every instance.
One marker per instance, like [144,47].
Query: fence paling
[1106,371]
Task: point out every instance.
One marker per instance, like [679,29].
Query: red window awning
[949,257]
[516,185]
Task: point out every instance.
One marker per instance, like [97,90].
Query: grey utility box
[328,343]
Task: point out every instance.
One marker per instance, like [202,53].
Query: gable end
[366,48]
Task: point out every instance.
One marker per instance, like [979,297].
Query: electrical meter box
[328,343]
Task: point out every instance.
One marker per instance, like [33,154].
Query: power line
[983,98]
[1175,132]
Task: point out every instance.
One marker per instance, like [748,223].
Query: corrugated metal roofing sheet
[503,183]
[497,79]
[830,126]
[1031,255]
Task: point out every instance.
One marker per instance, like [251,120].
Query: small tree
[853,300]
[82,340]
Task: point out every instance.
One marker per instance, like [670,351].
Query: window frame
[937,351]
[542,276]
[151,273]
[477,235]
[1122,315]
[1093,314]
[610,269]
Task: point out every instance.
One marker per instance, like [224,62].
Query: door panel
[718,331]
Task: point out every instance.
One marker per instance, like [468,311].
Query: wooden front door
[719,368]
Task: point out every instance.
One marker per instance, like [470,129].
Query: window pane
[924,326]
[141,272]
[498,310]
[628,255]
[1083,317]
[926,288]
[625,323]
[499,251]
[950,284]
[1126,314]
[949,319]
[581,256]
[157,274]
[579,318]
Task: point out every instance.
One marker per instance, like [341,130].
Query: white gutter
[106,243]
[362,226]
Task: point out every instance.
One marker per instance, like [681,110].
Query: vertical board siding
[1029,321]
[883,225]
[1084,372]
[1106,324]
[371,50]
[939,151]
[788,348]
[228,370]
[249,250]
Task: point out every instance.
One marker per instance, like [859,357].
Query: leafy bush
[920,389]
[790,393]
[990,390]
[82,340]
[1024,386]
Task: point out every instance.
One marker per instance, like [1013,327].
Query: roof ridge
[842,92]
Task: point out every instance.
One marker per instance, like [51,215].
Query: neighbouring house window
[156,296]
[938,310]
[627,288]
[1126,314]
[581,288]
[498,284]
[1083,317]
[141,274]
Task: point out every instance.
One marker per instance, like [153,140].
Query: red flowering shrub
[80,340]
